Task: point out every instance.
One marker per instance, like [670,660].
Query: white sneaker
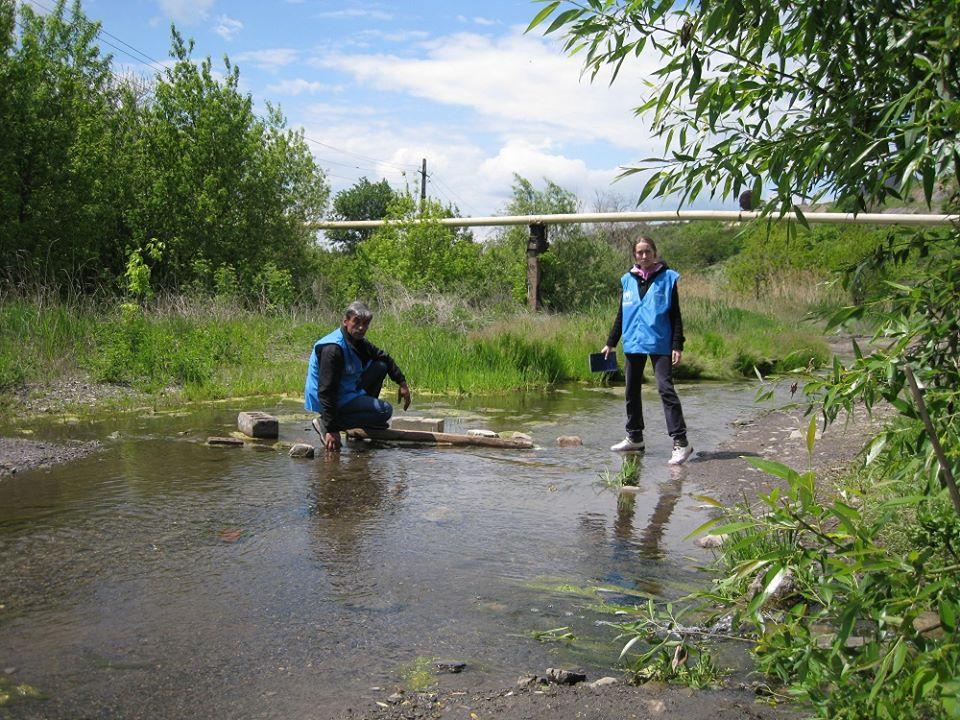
[680,454]
[628,445]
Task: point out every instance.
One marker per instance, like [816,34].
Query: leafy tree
[59,150]
[577,270]
[218,184]
[420,255]
[364,200]
[853,100]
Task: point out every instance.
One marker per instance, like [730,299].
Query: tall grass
[207,349]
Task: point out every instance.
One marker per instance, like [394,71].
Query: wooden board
[437,438]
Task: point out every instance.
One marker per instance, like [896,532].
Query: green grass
[200,351]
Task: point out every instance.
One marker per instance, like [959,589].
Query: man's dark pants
[368,410]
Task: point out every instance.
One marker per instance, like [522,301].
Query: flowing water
[164,578]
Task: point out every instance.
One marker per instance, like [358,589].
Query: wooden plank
[436,438]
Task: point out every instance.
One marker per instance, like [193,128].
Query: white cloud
[356,13]
[510,80]
[472,177]
[271,59]
[398,36]
[298,86]
[477,20]
[227,27]
[186,12]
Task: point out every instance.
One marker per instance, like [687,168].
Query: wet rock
[225,441]
[528,681]
[710,541]
[396,698]
[656,707]
[258,424]
[521,436]
[301,450]
[482,433]
[926,621]
[559,676]
[783,591]
[452,666]
[569,441]
[603,682]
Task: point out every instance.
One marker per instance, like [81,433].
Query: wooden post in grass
[536,245]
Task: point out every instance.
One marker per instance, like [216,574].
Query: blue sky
[377,86]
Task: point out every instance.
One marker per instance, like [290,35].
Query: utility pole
[423,185]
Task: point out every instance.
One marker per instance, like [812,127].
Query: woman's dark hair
[648,240]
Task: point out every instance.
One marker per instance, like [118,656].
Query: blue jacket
[349,381]
[647,327]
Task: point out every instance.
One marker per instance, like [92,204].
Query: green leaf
[543,15]
[811,434]
[948,614]
[875,448]
[772,467]
[703,527]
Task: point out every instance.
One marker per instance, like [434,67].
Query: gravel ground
[18,455]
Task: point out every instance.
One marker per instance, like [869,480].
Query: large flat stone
[258,424]
[417,423]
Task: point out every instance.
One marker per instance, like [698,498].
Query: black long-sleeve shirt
[676,320]
[331,364]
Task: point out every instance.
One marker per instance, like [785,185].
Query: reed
[196,350]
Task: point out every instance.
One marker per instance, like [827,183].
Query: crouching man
[344,379]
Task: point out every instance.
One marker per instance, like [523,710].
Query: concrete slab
[417,423]
[258,424]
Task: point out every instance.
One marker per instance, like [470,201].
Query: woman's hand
[675,357]
[606,351]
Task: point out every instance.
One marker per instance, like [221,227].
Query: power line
[459,199]
[362,157]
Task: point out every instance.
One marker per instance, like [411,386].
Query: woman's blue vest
[646,321]
[349,382]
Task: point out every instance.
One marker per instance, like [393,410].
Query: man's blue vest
[646,321]
[349,381]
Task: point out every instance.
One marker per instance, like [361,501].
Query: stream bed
[163,578]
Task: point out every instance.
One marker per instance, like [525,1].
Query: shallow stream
[163,578]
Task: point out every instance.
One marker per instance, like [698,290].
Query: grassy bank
[205,350]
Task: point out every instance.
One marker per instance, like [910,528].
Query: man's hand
[606,351]
[403,393]
[675,357]
[332,442]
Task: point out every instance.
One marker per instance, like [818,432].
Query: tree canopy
[363,200]
[854,100]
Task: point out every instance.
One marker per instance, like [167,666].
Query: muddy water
[163,578]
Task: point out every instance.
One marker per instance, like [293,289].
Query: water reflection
[349,496]
[631,552]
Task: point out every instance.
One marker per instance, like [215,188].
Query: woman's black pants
[663,370]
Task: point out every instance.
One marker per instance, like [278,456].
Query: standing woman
[650,325]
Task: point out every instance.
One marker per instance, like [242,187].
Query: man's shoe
[318,426]
[680,454]
[628,445]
